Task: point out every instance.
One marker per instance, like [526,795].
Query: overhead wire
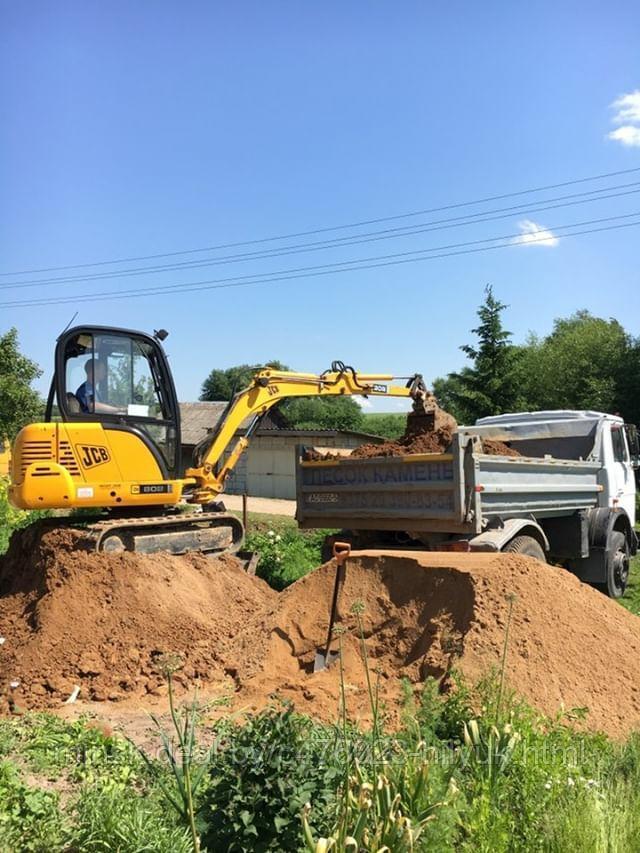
[322,230]
[345,242]
[345,266]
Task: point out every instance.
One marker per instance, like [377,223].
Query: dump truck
[567,497]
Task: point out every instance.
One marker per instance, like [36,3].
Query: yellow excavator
[111,441]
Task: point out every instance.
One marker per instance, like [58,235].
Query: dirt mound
[569,646]
[103,622]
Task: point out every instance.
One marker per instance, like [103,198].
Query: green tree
[300,413]
[583,364]
[222,384]
[629,383]
[387,424]
[20,404]
[323,413]
[488,387]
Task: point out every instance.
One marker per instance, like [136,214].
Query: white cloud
[364,403]
[627,115]
[627,135]
[533,234]
[627,108]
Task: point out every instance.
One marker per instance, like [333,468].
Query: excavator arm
[268,388]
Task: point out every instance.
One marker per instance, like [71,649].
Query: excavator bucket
[427,416]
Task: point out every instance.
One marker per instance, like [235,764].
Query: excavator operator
[87,393]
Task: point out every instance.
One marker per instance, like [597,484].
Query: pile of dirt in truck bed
[103,622]
[438,441]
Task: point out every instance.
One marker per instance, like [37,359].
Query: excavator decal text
[92,455]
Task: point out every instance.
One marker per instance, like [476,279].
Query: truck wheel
[526,545]
[617,565]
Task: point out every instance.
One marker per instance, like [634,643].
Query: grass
[631,598]
[473,769]
[502,778]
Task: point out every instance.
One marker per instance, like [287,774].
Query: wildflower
[271,534]
[278,537]
[570,782]
[547,785]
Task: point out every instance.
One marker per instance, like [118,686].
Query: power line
[346,266]
[374,236]
[325,229]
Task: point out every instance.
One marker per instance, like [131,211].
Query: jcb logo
[91,455]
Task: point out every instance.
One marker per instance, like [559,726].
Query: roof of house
[200,418]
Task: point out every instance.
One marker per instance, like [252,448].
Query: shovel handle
[341,551]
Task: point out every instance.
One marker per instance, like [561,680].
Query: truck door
[623,479]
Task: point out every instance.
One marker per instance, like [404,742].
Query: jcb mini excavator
[111,441]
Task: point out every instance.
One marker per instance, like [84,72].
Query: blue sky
[139,128]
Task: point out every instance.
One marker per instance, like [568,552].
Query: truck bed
[440,492]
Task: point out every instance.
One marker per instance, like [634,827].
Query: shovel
[324,657]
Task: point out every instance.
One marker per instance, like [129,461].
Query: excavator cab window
[123,380]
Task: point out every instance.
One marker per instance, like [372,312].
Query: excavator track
[208,532]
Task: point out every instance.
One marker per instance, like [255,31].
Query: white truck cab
[587,435]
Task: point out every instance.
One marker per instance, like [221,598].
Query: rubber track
[95,531]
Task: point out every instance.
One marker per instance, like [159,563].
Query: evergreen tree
[488,387]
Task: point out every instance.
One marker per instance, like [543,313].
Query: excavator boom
[267,389]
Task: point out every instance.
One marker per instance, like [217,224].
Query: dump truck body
[574,475]
[456,492]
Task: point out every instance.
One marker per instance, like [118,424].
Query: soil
[437,441]
[498,448]
[428,433]
[101,622]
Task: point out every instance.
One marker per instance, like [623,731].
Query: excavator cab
[121,380]
[111,434]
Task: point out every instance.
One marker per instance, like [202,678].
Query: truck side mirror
[633,440]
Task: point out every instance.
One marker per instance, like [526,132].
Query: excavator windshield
[121,379]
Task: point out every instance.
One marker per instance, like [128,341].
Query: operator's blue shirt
[86,396]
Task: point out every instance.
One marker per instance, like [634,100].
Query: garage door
[271,472]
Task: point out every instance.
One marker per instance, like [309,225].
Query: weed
[186,776]
[30,819]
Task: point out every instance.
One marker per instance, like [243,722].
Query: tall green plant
[186,774]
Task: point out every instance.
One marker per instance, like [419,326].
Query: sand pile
[569,645]
[103,622]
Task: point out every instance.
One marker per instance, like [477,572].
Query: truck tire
[526,545]
[617,565]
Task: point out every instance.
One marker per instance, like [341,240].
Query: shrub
[11,518]
[286,554]
[261,776]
